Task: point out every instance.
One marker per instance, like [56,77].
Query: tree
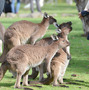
[85,20]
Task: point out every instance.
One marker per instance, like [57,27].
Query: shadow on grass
[6,84]
[28,89]
[76,82]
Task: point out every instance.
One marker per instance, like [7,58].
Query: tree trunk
[85,20]
[69,2]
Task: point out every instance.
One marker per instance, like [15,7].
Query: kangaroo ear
[58,30]
[54,37]
[46,15]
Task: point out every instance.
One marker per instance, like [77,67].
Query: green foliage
[79,63]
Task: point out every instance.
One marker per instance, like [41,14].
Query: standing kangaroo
[21,58]
[65,29]
[60,61]
[23,32]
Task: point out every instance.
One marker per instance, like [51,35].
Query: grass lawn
[79,63]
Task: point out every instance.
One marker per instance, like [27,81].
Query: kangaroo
[65,30]
[23,32]
[21,58]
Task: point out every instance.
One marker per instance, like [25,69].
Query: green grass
[79,63]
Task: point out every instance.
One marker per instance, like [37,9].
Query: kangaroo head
[50,19]
[62,42]
[65,28]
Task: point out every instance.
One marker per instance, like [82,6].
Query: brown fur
[21,58]
[23,32]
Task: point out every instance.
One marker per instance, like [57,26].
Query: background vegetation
[79,64]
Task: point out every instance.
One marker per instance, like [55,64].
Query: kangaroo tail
[48,80]
[3,70]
